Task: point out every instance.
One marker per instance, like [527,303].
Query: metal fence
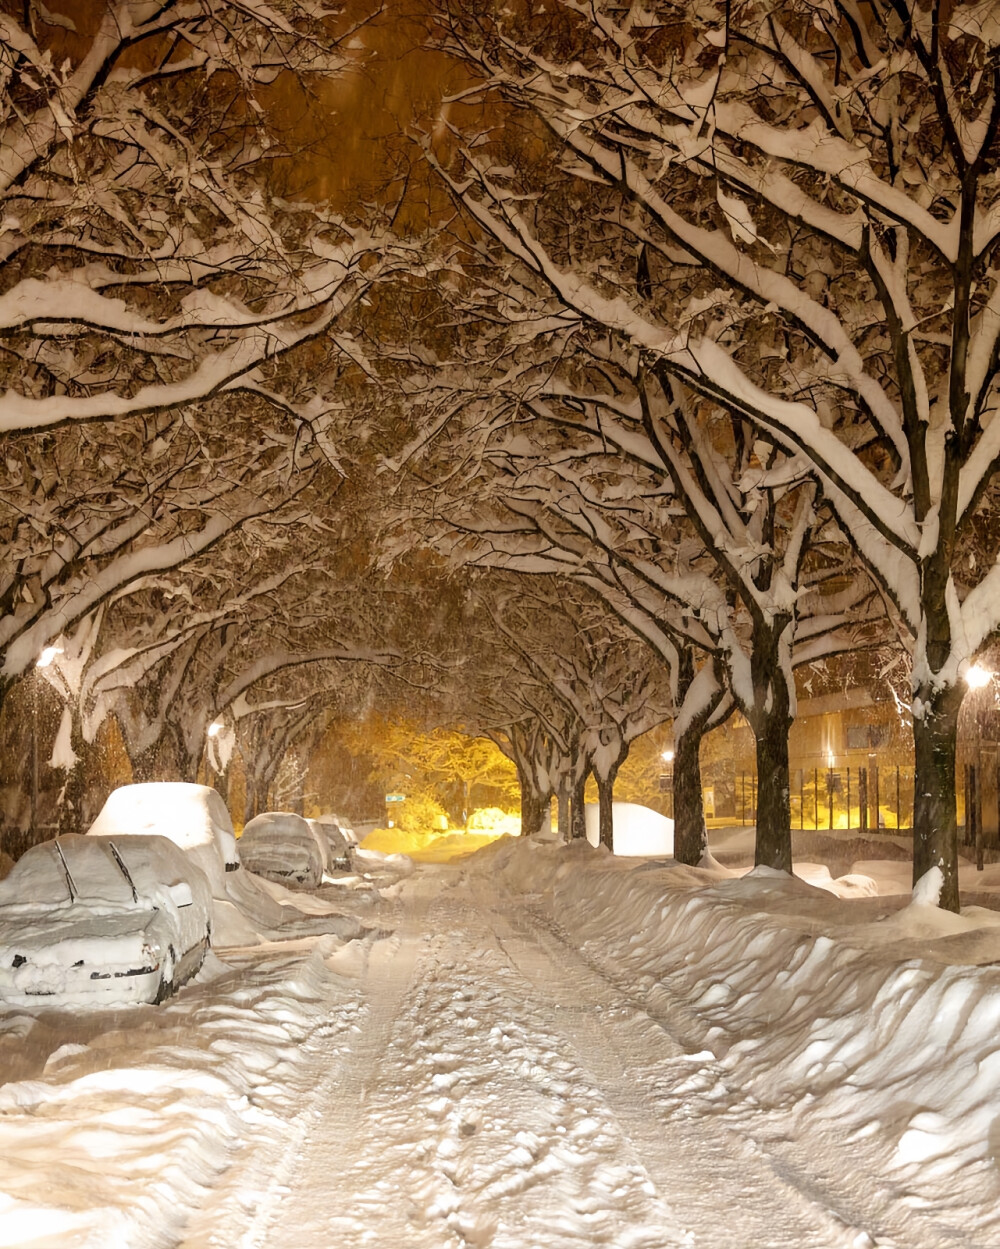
[865,798]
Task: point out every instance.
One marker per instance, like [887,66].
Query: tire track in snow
[335,1109]
[457,1119]
[670,1102]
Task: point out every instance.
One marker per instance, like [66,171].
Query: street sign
[395,798]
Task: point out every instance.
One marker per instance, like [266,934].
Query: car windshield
[39,876]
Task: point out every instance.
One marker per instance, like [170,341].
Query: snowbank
[119,1139]
[879,1019]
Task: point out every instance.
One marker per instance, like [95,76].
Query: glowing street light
[214,729]
[977,677]
[667,756]
[47,656]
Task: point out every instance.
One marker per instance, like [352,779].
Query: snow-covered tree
[662,515]
[144,265]
[806,192]
[87,513]
[157,299]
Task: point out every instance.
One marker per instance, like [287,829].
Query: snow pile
[637,830]
[849,1015]
[119,1139]
[256,910]
[851,885]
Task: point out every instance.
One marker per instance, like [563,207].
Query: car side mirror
[180,894]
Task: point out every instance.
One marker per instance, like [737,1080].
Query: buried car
[193,817]
[280,846]
[99,921]
[338,824]
[335,846]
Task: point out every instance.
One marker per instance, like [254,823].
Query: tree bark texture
[605,799]
[690,835]
[578,809]
[935,825]
[563,808]
[774,823]
[532,805]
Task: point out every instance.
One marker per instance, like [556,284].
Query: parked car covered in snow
[101,921]
[342,826]
[193,817]
[280,846]
[336,847]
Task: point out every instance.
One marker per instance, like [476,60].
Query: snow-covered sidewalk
[535,1048]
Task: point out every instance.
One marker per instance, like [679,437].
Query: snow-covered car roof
[193,817]
[280,845]
[94,921]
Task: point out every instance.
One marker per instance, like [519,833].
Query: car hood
[74,933]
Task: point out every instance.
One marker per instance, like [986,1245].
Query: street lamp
[977,677]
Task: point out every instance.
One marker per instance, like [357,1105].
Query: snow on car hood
[111,941]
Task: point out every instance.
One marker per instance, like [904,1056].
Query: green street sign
[395,798]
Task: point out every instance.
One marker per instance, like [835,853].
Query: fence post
[878,810]
[816,798]
[863,800]
[977,822]
[968,828]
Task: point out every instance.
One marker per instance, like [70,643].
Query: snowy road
[496,1090]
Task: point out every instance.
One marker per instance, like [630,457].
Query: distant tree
[611,685]
[438,760]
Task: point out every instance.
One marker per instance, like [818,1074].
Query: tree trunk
[774,818]
[690,835]
[70,815]
[578,816]
[158,762]
[605,809]
[532,804]
[770,719]
[701,694]
[563,806]
[935,827]
[220,783]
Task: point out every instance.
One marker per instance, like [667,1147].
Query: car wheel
[166,986]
